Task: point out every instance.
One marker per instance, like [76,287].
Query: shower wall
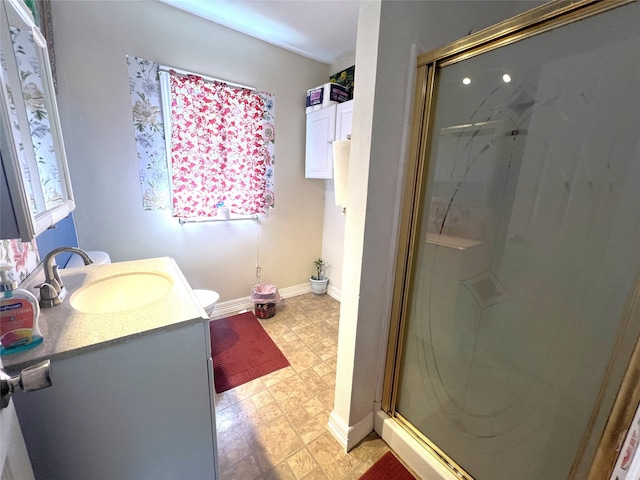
[528,248]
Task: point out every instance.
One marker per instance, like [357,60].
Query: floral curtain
[149,125]
[144,87]
[32,91]
[22,257]
[222,141]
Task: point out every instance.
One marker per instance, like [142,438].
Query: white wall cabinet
[139,409]
[323,127]
[36,190]
[321,130]
[344,120]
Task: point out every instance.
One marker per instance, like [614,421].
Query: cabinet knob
[30,379]
[329,142]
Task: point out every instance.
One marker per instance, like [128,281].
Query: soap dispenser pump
[19,313]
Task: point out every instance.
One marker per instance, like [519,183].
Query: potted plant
[319,280]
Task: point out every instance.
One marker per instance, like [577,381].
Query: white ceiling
[324,30]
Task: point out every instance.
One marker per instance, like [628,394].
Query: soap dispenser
[19,313]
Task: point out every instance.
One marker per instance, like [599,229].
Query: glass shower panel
[528,247]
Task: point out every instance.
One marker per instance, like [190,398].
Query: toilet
[98,257]
[207,299]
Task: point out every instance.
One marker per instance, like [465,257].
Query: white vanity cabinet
[133,386]
[323,127]
[134,410]
[36,191]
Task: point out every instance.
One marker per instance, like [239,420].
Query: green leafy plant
[321,268]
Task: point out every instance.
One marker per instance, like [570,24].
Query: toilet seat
[207,298]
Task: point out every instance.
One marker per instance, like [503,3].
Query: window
[217,151]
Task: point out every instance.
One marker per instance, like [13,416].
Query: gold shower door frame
[625,362]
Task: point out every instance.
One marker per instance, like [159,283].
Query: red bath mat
[387,468]
[242,351]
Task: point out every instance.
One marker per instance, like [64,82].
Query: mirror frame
[28,224]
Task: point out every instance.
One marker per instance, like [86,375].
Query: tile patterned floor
[275,427]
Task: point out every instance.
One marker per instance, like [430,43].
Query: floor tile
[302,463]
[275,442]
[275,427]
[335,463]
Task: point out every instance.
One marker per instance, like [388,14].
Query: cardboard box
[346,78]
[327,94]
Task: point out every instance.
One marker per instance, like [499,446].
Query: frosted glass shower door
[527,249]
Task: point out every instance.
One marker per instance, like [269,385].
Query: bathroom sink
[121,292]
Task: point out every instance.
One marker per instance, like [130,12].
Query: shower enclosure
[513,318]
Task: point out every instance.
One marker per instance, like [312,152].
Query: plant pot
[319,287]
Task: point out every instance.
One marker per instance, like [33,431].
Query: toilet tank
[97,257]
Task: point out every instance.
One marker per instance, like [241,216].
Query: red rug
[387,468]
[242,351]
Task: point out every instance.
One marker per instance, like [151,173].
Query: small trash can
[265,296]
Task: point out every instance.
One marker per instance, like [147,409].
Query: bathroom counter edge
[68,332]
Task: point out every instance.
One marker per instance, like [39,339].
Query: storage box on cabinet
[325,95]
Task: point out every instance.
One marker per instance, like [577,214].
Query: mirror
[32,150]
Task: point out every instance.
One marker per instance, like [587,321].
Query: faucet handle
[49,296]
[56,280]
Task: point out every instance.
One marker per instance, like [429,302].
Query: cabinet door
[141,409]
[34,166]
[321,126]
[344,119]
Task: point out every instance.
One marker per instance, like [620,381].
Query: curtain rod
[164,68]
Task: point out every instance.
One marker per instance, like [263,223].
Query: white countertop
[68,332]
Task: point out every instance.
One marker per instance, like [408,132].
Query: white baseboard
[409,450]
[303,288]
[339,430]
[349,436]
[333,292]
[296,290]
[231,307]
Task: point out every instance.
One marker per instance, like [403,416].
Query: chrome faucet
[52,290]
